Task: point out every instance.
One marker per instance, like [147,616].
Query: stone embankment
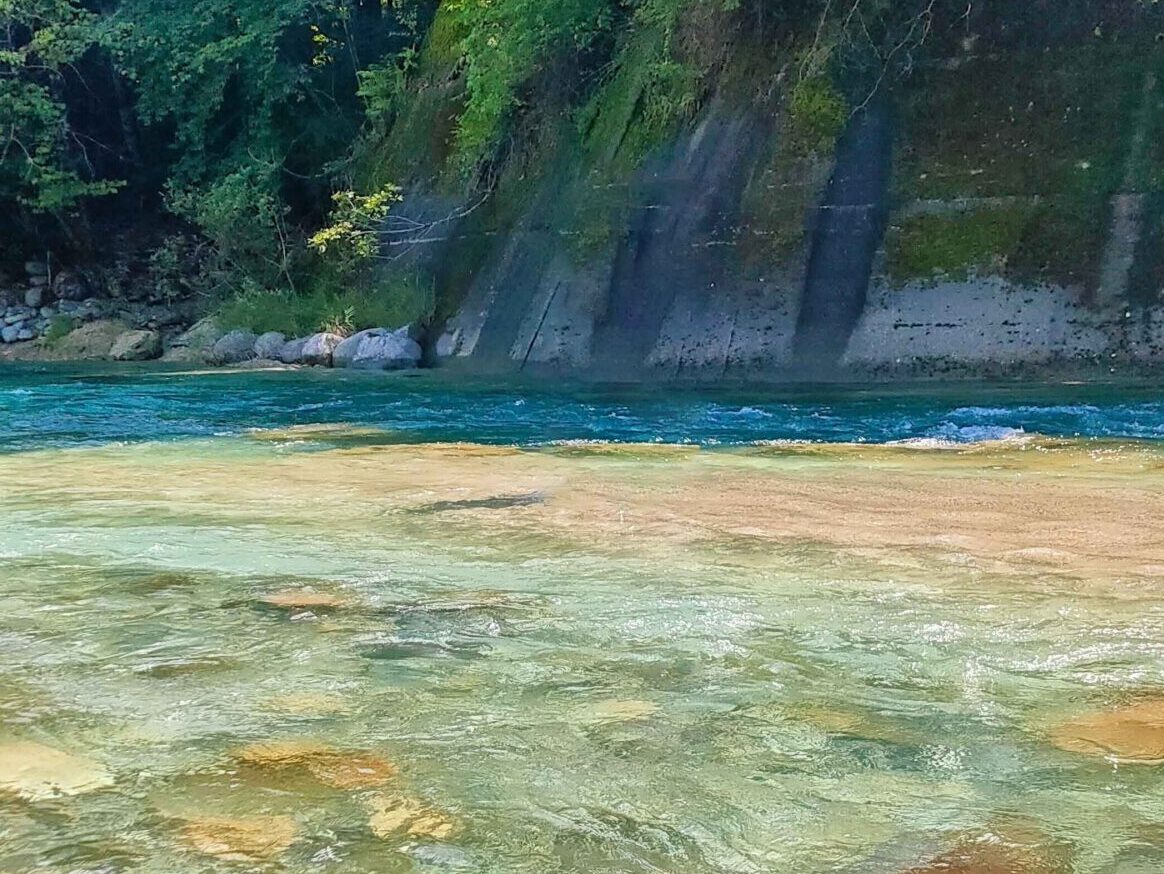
[372,349]
[59,314]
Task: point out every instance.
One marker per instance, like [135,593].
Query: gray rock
[38,281]
[378,349]
[47,312]
[36,268]
[292,351]
[232,348]
[70,286]
[318,349]
[448,344]
[346,351]
[9,334]
[137,346]
[34,297]
[26,334]
[269,345]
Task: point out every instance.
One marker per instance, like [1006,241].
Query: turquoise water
[59,408]
[306,622]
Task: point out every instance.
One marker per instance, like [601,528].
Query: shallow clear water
[574,631]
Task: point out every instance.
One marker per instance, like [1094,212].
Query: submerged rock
[240,839]
[1025,850]
[331,767]
[1128,734]
[307,704]
[350,771]
[397,814]
[36,772]
[304,599]
[232,348]
[137,346]
[616,711]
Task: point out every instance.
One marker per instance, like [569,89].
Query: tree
[43,160]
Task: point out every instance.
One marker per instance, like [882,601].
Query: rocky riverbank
[61,316]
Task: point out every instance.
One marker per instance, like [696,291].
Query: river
[328,622]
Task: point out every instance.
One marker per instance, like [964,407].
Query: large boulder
[10,333]
[292,351]
[345,352]
[378,349]
[191,345]
[318,349]
[137,346]
[269,345]
[90,341]
[232,348]
[35,297]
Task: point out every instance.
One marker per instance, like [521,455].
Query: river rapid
[329,622]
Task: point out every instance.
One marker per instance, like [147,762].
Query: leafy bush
[398,301]
[59,328]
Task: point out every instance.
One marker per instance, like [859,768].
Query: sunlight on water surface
[379,646]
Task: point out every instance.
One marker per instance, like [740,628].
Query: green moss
[1025,242]
[953,246]
[779,199]
[1028,124]
[442,45]
[817,113]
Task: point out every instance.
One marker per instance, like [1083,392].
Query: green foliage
[38,157]
[245,219]
[505,43]
[818,112]
[353,236]
[328,305]
[59,328]
[644,99]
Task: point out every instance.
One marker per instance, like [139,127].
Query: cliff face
[929,243]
